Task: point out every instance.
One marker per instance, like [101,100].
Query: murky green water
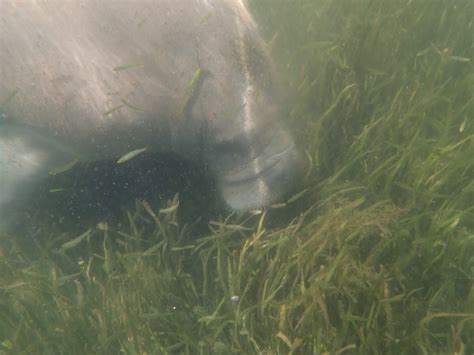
[373,253]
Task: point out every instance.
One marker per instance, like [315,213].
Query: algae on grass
[379,255]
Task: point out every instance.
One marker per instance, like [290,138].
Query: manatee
[93,80]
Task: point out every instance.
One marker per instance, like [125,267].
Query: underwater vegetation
[376,255]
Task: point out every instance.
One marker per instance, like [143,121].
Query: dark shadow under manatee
[104,191]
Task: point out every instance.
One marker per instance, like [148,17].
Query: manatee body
[93,80]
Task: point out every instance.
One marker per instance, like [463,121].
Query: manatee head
[255,159]
[251,153]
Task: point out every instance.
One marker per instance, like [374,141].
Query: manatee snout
[264,178]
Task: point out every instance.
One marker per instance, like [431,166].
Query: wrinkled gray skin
[96,79]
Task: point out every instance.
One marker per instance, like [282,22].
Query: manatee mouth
[256,168]
[264,180]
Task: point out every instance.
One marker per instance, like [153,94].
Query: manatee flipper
[26,157]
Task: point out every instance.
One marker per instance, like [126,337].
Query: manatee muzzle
[265,179]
